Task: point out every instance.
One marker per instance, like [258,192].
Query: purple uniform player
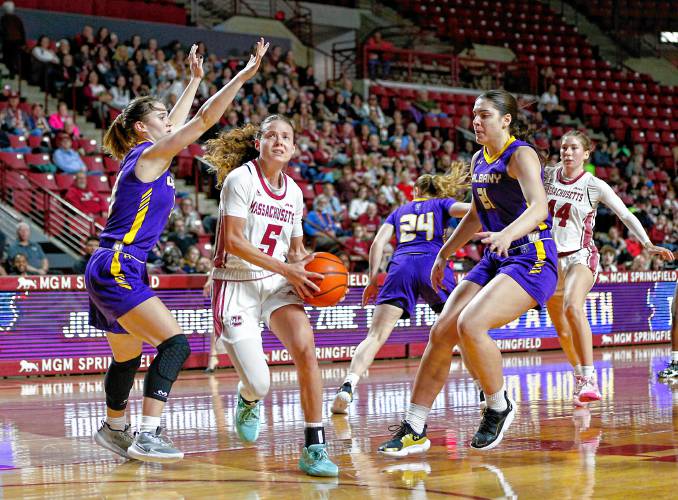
[146,138]
[499,200]
[419,227]
[116,276]
[517,272]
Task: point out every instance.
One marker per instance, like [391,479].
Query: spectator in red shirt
[379,56]
[83,198]
[358,248]
[370,220]
[406,185]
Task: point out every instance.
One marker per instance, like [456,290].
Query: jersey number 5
[563,213]
[269,239]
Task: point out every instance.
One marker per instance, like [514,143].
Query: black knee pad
[118,382]
[162,373]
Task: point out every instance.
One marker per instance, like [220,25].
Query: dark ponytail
[506,104]
[121,136]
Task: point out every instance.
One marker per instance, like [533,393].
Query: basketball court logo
[235,321]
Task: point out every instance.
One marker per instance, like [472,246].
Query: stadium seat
[93,163]
[38,159]
[64,181]
[15,161]
[98,183]
[46,181]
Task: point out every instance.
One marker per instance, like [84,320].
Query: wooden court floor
[625,447]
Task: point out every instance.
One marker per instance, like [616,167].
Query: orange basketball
[335,283]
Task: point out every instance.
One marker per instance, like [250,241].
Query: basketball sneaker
[154,447]
[589,390]
[405,441]
[113,439]
[579,381]
[493,426]
[343,398]
[314,461]
[482,404]
[247,420]
[671,370]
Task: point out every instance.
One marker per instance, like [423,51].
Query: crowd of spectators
[356,158]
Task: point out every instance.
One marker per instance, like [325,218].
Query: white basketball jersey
[273,217]
[573,205]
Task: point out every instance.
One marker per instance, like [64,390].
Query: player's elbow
[541,211]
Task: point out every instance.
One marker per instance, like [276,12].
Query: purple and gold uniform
[499,201]
[116,277]
[419,228]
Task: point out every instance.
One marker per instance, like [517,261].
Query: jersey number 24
[410,224]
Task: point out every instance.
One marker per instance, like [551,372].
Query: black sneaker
[671,371]
[405,441]
[493,425]
[342,399]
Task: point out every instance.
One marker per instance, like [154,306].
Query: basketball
[335,283]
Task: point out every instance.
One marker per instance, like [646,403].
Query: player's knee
[467,327]
[304,354]
[258,387]
[444,334]
[165,368]
[573,310]
[118,382]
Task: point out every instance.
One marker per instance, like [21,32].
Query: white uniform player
[244,294]
[573,204]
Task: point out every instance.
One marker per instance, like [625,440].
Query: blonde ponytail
[231,149]
[446,185]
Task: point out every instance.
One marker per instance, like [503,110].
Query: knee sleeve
[164,369]
[118,382]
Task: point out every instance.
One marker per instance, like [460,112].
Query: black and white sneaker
[671,371]
[493,426]
[342,399]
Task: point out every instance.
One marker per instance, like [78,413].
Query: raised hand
[255,59]
[195,63]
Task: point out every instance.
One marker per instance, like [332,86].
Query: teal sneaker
[315,462]
[247,420]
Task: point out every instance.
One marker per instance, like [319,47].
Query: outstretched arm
[610,198]
[156,159]
[181,109]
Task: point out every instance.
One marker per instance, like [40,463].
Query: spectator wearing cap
[83,198]
[13,119]
[37,262]
[66,158]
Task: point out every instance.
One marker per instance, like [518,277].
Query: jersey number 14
[562,214]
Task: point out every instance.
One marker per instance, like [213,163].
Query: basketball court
[626,446]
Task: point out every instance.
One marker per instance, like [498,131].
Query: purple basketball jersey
[139,210]
[497,196]
[420,225]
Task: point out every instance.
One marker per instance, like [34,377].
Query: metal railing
[67,226]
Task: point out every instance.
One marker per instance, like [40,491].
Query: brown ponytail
[235,147]
[121,136]
[445,186]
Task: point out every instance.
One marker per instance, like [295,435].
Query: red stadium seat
[15,161]
[111,165]
[37,159]
[98,183]
[307,189]
[93,163]
[89,146]
[46,181]
[17,141]
[64,181]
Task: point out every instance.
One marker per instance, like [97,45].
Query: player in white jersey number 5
[573,197]
[259,275]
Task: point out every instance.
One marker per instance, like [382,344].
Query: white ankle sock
[149,424]
[587,371]
[117,423]
[497,401]
[352,379]
[674,356]
[416,416]
[577,370]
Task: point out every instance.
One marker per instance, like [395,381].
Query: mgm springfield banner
[44,325]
